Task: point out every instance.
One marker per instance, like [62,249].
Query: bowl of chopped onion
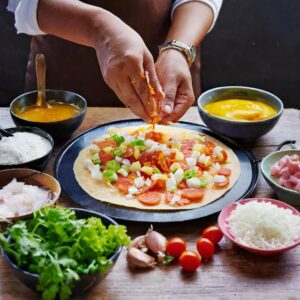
[23,191]
[261,225]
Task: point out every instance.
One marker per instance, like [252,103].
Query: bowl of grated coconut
[261,225]
[29,147]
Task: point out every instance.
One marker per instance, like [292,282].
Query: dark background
[254,43]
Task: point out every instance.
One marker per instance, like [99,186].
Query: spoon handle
[4,132]
[40,65]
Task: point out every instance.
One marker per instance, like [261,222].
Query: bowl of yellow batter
[239,112]
[64,113]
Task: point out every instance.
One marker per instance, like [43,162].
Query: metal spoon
[4,132]
[40,66]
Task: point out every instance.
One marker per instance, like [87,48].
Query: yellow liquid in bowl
[241,110]
[56,111]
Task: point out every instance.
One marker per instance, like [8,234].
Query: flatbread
[110,195]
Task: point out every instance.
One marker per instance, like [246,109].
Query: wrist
[174,55]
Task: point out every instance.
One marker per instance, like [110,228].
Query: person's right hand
[123,58]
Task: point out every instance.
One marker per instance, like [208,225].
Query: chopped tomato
[105,157]
[150,198]
[182,184]
[206,248]
[192,194]
[158,184]
[145,157]
[190,260]
[128,153]
[176,246]
[123,183]
[209,145]
[155,136]
[213,233]
[222,184]
[159,160]
[224,171]
[106,143]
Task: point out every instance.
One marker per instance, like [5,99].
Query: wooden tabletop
[232,274]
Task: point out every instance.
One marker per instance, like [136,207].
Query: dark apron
[75,68]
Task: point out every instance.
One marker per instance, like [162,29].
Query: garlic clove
[156,242]
[139,259]
[138,242]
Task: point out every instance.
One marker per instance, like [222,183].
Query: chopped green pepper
[137,142]
[110,175]
[189,174]
[96,160]
[118,151]
[118,139]
[112,165]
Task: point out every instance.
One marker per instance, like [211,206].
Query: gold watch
[188,51]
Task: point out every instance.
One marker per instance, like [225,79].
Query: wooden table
[232,274]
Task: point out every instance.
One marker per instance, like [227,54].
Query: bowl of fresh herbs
[61,252]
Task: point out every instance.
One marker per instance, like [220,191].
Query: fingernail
[167,108]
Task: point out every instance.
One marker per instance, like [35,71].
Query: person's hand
[123,58]
[175,77]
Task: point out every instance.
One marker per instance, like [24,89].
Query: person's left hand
[175,77]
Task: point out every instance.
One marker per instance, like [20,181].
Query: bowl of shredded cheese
[261,225]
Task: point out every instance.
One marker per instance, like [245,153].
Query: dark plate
[65,175]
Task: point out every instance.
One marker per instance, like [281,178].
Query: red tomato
[158,184]
[213,233]
[123,183]
[190,260]
[192,194]
[224,171]
[145,157]
[128,153]
[176,246]
[150,198]
[206,248]
[155,136]
[105,157]
[106,143]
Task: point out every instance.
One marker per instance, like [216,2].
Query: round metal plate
[65,175]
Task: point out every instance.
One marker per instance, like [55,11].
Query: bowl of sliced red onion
[23,191]
[281,170]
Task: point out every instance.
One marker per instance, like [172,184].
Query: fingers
[184,99]
[127,94]
[170,88]
[150,68]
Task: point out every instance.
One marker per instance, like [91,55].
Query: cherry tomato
[176,246]
[150,198]
[105,157]
[206,248]
[190,260]
[213,233]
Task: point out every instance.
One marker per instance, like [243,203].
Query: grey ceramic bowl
[59,130]
[38,163]
[239,129]
[286,195]
[86,281]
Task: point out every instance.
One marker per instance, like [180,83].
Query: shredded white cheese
[263,225]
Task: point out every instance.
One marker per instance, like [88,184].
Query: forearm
[190,23]
[73,20]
